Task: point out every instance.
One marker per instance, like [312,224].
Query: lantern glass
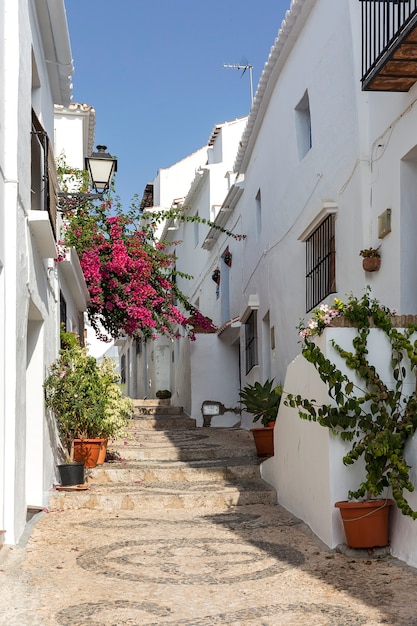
[101,167]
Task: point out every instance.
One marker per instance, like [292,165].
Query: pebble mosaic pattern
[193,561]
[230,520]
[120,613]
[174,558]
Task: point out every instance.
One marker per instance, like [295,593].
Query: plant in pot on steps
[87,401]
[118,409]
[262,402]
[377,417]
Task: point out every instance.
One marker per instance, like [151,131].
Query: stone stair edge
[117,498]
[178,463]
[174,471]
[150,402]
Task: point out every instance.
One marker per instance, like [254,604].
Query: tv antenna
[243,66]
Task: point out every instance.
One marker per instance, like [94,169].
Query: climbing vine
[377,417]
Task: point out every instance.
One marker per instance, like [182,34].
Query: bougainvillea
[130,275]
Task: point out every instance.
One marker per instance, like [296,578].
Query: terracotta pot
[366,523]
[264,440]
[371,263]
[87,451]
[103,451]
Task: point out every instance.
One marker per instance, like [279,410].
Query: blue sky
[153,71]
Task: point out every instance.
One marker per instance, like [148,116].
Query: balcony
[389,45]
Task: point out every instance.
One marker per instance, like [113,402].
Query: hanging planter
[371,259]
[216,276]
[227,258]
[371,264]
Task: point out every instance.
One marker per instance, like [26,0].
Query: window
[320,262]
[44,181]
[123,369]
[258,214]
[251,342]
[303,126]
[62,311]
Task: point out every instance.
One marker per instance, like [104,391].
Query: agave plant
[262,401]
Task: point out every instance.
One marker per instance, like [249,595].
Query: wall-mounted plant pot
[371,263]
[366,523]
[264,440]
[71,474]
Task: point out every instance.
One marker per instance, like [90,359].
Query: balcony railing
[389,44]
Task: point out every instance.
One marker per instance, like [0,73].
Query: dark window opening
[320,263]
[251,342]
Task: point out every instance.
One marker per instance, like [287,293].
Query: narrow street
[182,531]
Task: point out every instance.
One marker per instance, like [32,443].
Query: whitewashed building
[148,366]
[74,140]
[326,167]
[35,73]
[329,166]
[74,127]
[200,184]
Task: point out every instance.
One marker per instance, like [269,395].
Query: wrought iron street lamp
[101,167]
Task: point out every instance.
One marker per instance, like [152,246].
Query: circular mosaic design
[225,520]
[127,613]
[172,560]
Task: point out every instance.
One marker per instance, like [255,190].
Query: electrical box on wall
[384,223]
[211,408]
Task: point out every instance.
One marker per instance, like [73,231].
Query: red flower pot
[371,263]
[264,440]
[365,523]
[87,451]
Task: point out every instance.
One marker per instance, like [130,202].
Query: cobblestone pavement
[246,565]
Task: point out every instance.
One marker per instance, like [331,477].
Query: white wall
[173,182]
[28,295]
[172,365]
[307,468]
[214,377]
[293,190]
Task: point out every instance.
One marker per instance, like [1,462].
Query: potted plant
[118,408]
[227,258]
[262,401]
[163,394]
[371,259]
[86,400]
[377,417]
[216,276]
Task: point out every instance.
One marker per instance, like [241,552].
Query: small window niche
[303,126]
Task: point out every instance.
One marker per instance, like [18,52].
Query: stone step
[161,422]
[139,453]
[185,445]
[150,402]
[209,468]
[156,407]
[219,470]
[122,496]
